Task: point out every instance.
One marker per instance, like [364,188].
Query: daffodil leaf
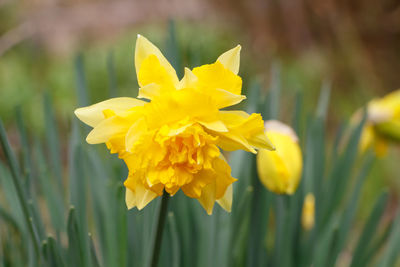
[52,253]
[364,242]
[391,254]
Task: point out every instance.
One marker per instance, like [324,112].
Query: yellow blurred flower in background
[383,123]
[280,170]
[172,142]
[308,213]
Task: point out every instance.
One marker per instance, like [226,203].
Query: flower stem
[160,227]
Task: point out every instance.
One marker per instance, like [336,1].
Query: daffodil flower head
[280,170]
[383,123]
[173,141]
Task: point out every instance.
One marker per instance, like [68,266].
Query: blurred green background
[354,46]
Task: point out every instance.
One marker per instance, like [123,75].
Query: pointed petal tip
[90,140]
[93,139]
[252,150]
[129,207]
[78,112]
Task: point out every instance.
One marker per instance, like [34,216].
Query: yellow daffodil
[280,170]
[308,213]
[383,123]
[172,141]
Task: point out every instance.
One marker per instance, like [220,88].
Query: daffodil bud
[308,213]
[383,123]
[280,170]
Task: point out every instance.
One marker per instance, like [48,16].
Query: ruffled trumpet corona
[172,141]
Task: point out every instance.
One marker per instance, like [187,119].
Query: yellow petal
[223,176]
[93,115]
[383,109]
[134,133]
[188,81]
[200,180]
[367,138]
[217,126]
[381,147]
[152,72]
[144,48]
[216,76]
[130,199]
[226,201]
[207,198]
[149,91]
[261,141]
[107,129]
[245,132]
[231,142]
[139,196]
[224,98]
[231,59]
[280,170]
[143,196]
[272,171]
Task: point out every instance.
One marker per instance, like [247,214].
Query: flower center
[174,155]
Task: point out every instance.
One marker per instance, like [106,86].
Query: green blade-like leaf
[95,260]
[273,99]
[369,229]
[174,240]
[15,171]
[48,186]
[53,143]
[77,246]
[391,253]
[112,79]
[172,50]
[350,211]
[77,181]
[26,154]
[81,85]
[335,189]
[324,244]
[240,228]
[6,217]
[323,101]
[281,231]
[52,253]
[297,113]
[260,205]
[376,246]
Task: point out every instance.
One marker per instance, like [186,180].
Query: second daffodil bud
[280,170]
[383,123]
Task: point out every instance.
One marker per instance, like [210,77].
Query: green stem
[160,227]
